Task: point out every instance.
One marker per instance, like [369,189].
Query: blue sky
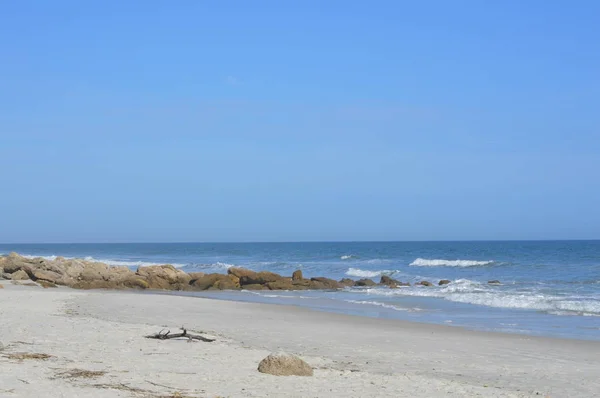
[299,120]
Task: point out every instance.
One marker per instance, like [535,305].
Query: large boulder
[71,268]
[297,275]
[443,282]
[284,365]
[389,282]
[19,275]
[214,281]
[284,284]
[424,283]
[239,272]
[13,263]
[347,282]
[94,271]
[163,276]
[260,278]
[49,276]
[327,283]
[365,282]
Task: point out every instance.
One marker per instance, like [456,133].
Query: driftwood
[162,335]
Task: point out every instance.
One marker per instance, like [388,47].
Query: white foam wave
[223,265]
[424,262]
[472,292]
[384,305]
[361,273]
[348,257]
[270,295]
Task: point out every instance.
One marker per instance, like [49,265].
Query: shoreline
[102,330]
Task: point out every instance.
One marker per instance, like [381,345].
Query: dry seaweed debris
[80,374]
[20,356]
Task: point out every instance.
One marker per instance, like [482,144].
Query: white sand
[352,356]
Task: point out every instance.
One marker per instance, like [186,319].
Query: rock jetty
[82,274]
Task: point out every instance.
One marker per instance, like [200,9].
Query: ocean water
[549,288]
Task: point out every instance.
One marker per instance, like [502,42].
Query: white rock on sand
[96,348]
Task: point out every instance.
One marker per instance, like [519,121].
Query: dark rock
[297,275]
[444,282]
[364,282]
[346,282]
[328,283]
[387,281]
[214,281]
[260,278]
[425,283]
[284,284]
[494,282]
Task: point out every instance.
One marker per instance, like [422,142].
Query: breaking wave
[424,262]
[361,273]
[348,257]
[384,305]
[472,292]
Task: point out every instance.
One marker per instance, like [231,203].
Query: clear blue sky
[299,120]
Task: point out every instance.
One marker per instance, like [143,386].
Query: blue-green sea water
[547,288]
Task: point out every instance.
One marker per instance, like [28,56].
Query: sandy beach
[103,332]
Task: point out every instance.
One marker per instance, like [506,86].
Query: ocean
[548,288]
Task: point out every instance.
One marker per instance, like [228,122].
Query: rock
[284,284]
[326,283]
[94,271]
[284,365]
[13,264]
[19,275]
[1,286]
[389,282]
[364,282]
[133,282]
[494,282]
[425,283]
[347,282]
[163,276]
[260,278]
[6,276]
[239,272]
[444,282]
[297,275]
[214,281]
[195,275]
[72,268]
[49,276]
[46,284]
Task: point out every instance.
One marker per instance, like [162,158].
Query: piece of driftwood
[162,335]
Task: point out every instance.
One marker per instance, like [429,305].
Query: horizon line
[305,241]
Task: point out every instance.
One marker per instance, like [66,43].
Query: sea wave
[477,293]
[361,273]
[348,257]
[424,262]
[384,305]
